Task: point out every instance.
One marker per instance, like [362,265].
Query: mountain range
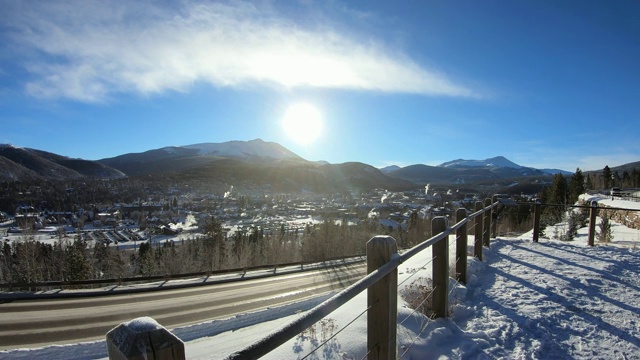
[258,162]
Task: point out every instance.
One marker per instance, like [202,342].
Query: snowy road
[46,322]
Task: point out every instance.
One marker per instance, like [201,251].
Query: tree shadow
[600,273]
[592,291]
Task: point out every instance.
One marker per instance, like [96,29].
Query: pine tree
[617,181]
[216,244]
[76,264]
[605,234]
[606,172]
[146,264]
[559,191]
[556,195]
[576,187]
[589,183]
[626,179]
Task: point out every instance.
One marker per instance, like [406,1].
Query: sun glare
[303,123]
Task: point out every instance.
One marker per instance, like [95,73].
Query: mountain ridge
[256,148]
[462,171]
[261,161]
[21,164]
[497,161]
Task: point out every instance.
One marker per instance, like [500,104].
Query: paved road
[35,323]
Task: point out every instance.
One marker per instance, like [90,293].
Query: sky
[547,84]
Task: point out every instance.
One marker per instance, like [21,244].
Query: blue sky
[548,84]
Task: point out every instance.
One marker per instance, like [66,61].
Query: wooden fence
[382,281]
[593,212]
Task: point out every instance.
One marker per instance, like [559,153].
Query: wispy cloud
[89,50]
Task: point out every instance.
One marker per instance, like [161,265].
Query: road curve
[35,323]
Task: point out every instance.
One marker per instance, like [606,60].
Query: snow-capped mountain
[388,169]
[494,162]
[244,149]
[179,158]
[556,171]
[463,171]
[257,162]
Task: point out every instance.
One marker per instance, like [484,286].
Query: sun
[303,123]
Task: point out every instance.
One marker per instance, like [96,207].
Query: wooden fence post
[461,247]
[477,242]
[592,222]
[440,268]
[536,221]
[143,339]
[487,224]
[382,300]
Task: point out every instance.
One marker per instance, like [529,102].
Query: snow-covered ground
[546,300]
[49,235]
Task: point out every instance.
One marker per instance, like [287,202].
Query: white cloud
[87,50]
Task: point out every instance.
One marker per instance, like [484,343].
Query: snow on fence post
[143,338]
[461,247]
[536,221]
[487,224]
[592,222]
[477,242]
[382,300]
[440,268]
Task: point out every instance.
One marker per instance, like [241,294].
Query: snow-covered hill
[556,171]
[498,161]
[244,149]
[388,169]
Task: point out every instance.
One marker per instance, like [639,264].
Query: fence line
[593,211]
[381,283]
